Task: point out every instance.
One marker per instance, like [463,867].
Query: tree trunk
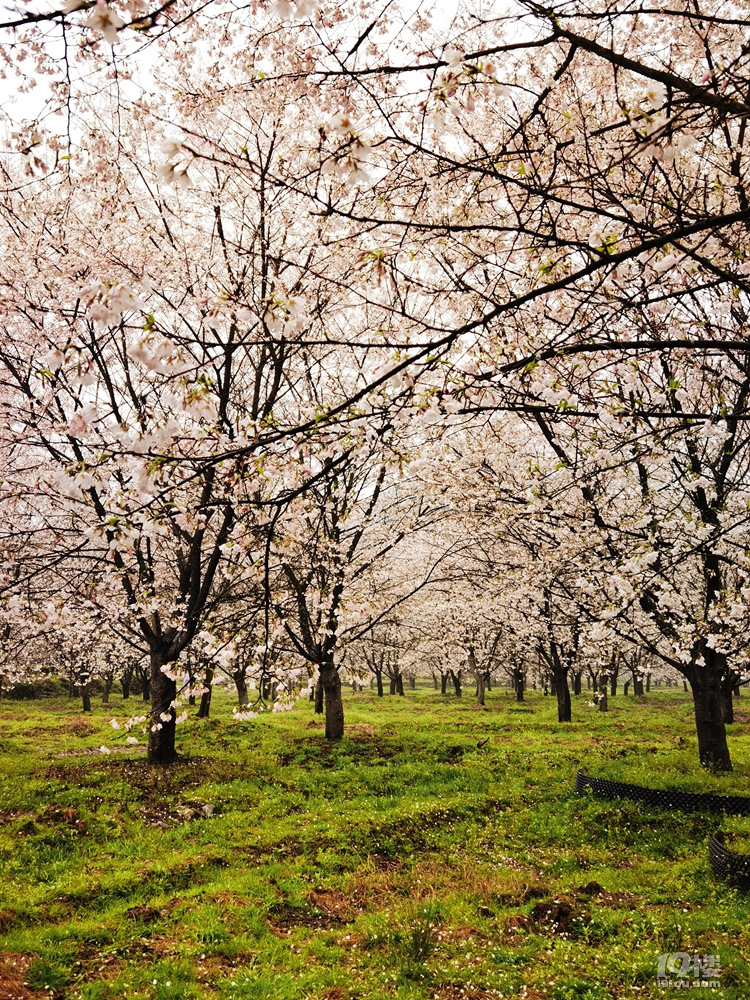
[480,688]
[727,705]
[613,685]
[625,687]
[108,682]
[334,706]
[563,695]
[204,709]
[379,681]
[319,699]
[412,683]
[146,688]
[86,697]
[400,684]
[435,681]
[456,678]
[648,682]
[240,682]
[443,684]
[709,723]
[163,690]
[518,683]
[577,682]
[603,707]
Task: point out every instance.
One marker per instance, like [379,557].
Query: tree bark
[603,707]
[518,683]
[204,709]
[443,684]
[334,706]
[709,722]
[319,699]
[456,678]
[240,682]
[86,697]
[400,684]
[563,695]
[163,690]
[577,682]
[727,705]
[480,688]
[108,682]
[379,682]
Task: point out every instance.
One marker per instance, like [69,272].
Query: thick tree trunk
[161,738]
[443,684]
[625,687]
[379,681]
[519,684]
[86,697]
[108,682]
[480,688]
[400,684]
[577,682]
[147,688]
[613,685]
[727,705]
[412,683]
[435,681]
[648,682]
[456,678]
[125,681]
[638,687]
[240,682]
[709,722]
[563,695]
[319,693]
[334,706]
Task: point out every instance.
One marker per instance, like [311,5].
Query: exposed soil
[13,971]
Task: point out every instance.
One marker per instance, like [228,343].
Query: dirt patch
[464,991]
[69,817]
[13,971]
[81,728]
[559,915]
[516,923]
[520,894]
[283,919]
[593,890]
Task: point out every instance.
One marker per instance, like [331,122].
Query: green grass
[438,851]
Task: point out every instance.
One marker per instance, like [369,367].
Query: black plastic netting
[684,801]
[728,866]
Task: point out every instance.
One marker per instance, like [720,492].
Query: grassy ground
[439,851]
